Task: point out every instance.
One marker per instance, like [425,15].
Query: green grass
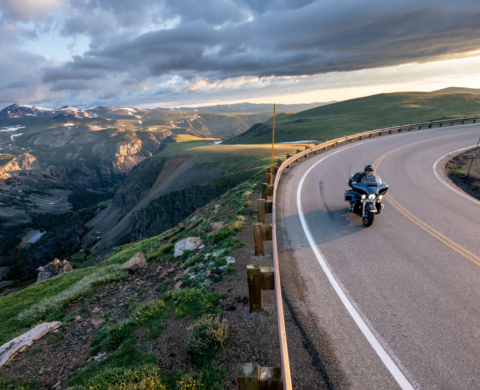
[362,114]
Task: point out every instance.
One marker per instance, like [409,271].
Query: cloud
[180,48]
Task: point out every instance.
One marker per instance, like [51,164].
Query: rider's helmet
[369,167]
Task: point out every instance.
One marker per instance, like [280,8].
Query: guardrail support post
[440,125]
[420,127]
[325,148]
[250,376]
[267,177]
[410,128]
[334,145]
[268,207]
[451,124]
[268,282]
[264,191]
[261,210]
[279,162]
[258,239]
[430,126]
[254,277]
[370,136]
[474,120]
[462,122]
[247,376]
[271,378]
[390,132]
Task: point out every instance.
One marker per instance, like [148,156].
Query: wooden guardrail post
[268,282]
[267,177]
[409,128]
[390,132]
[279,162]
[451,124]
[440,125]
[247,376]
[264,191]
[381,133]
[258,239]
[370,135]
[254,277]
[261,210]
[298,159]
[474,121]
[250,376]
[419,127]
[259,279]
[430,125]
[462,122]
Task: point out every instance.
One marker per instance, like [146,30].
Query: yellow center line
[417,221]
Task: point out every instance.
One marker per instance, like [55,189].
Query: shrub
[195,302]
[146,377]
[208,336]
[189,382]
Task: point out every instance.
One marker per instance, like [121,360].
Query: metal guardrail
[285,360]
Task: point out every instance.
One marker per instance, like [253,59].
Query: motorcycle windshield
[371,188]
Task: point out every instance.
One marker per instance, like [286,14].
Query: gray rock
[97,322]
[190,243]
[136,262]
[178,285]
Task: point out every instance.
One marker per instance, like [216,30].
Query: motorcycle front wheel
[368,220]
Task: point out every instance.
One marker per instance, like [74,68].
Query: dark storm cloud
[141,45]
[319,37]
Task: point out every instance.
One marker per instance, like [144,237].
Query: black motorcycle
[366,199]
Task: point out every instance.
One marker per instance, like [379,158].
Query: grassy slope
[353,116]
[222,241]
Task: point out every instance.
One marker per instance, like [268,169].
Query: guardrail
[251,376]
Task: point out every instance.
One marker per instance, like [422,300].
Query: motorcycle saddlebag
[348,195]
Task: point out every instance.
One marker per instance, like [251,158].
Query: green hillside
[352,116]
[457,90]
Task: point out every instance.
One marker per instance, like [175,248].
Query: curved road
[412,278]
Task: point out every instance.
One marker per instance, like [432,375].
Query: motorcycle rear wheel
[368,220]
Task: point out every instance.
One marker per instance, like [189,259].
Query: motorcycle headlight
[380,197]
[364,196]
[371,197]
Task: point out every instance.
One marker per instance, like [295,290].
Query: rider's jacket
[362,177]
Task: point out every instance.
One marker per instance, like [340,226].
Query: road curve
[413,277]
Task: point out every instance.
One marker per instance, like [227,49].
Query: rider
[366,177]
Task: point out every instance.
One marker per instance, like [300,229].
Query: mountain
[458,90]
[255,108]
[366,113]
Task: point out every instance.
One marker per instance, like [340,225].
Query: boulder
[216,225]
[97,322]
[136,262]
[10,349]
[56,267]
[190,243]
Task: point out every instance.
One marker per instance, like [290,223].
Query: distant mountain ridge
[255,108]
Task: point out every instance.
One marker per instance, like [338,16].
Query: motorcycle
[366,199]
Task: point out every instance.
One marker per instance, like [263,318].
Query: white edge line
[444,182]
[382,354]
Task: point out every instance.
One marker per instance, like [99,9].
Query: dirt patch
[456,169]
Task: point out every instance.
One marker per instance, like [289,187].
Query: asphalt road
[412,278]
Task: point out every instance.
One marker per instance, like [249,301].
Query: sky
[167,53]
